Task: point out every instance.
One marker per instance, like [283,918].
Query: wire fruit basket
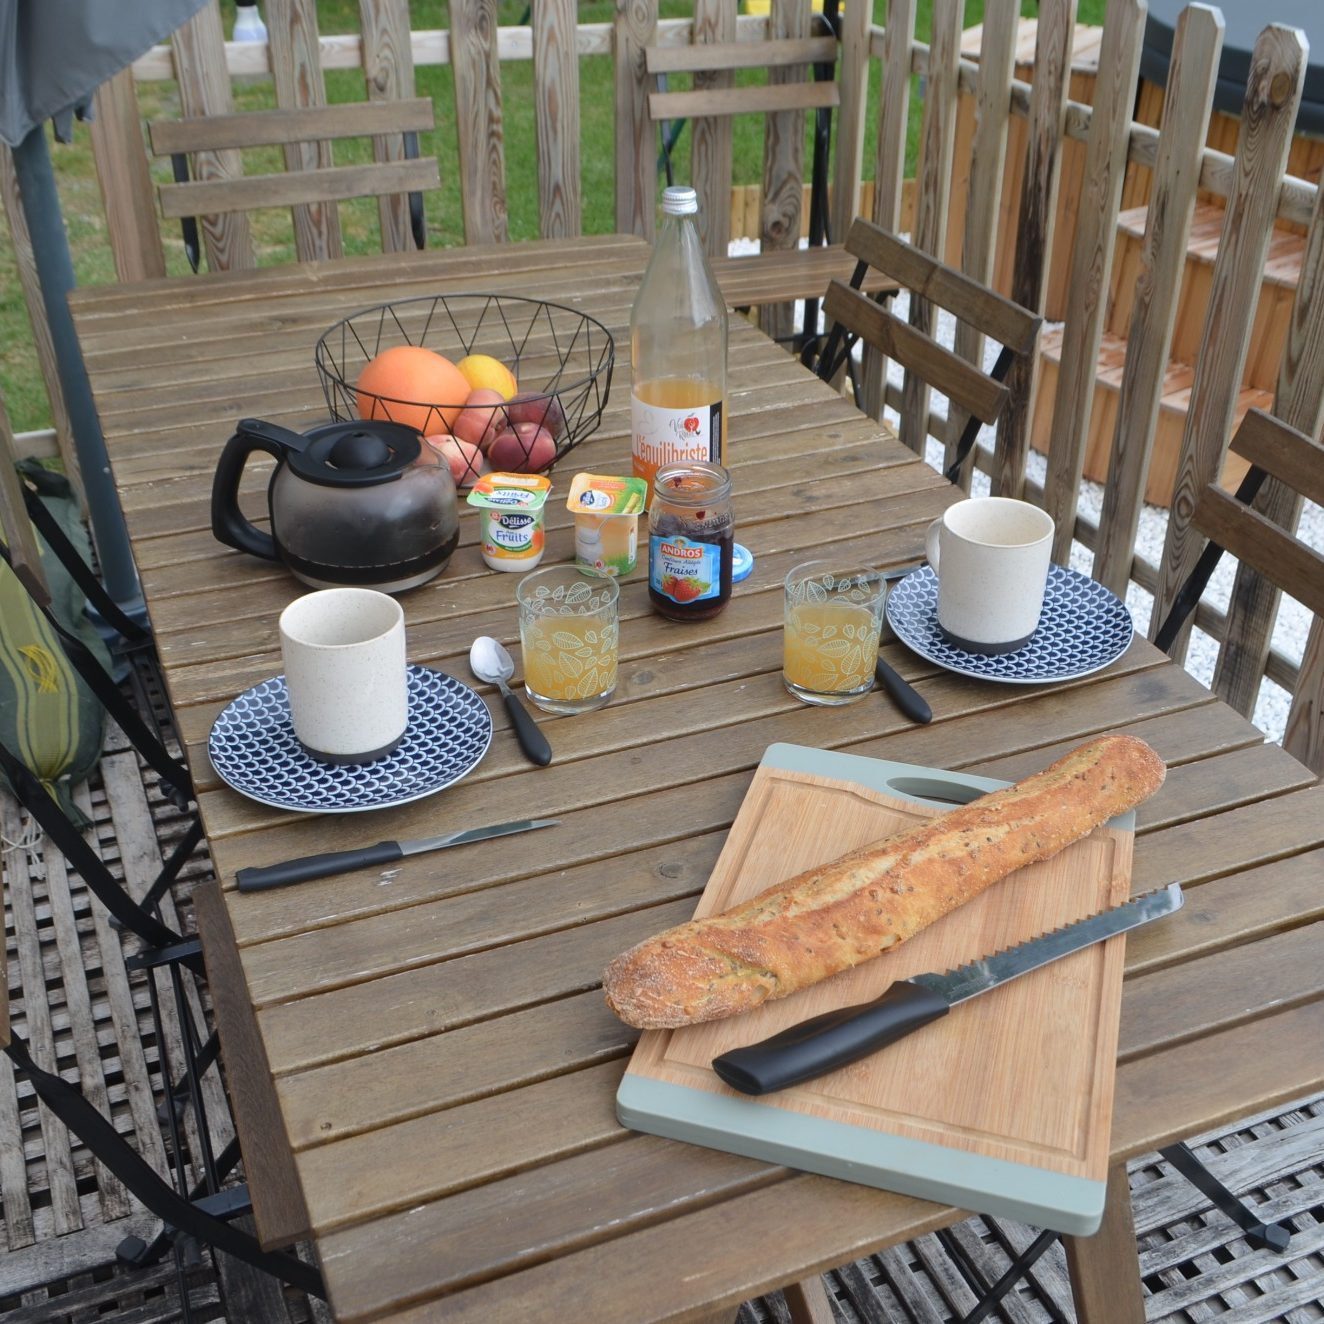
[560,360]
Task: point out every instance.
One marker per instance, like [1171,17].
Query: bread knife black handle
[911,702]
[317,866]
[531,739]
[832,1040]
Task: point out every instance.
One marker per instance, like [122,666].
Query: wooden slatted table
[422,1065]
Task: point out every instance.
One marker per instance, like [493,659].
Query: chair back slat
[297,74]
[988,156]
[633,33]
[299,188]
[890,165]
[1294,459]
[388,70]
[198,52]
[266,128]
[15,526]
[933,176]
[556,114]
[119,156]
[478,121]
[727,101]
[1192,76]
[1091,264]
[780,220]
[953,290]
[1038,206]
[1272,93]
[710,135]
[1253,607]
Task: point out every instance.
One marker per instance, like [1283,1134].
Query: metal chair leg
[1261,1235]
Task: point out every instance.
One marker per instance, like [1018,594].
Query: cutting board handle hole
[933,790]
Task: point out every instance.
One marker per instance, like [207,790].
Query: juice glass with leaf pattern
[834,615]
[568,629]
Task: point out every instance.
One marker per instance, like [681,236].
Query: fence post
[636,140]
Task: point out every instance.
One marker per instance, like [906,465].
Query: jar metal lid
[742,563]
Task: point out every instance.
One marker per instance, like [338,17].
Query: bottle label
[664,436]
[684,570]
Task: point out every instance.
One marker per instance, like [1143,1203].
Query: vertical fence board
[1304,739]
[933,179]
[120,158]
[1091,263]
[1043,166]
[780,220]
[636,138]
[1273,90]
[296,66]
[478,120]
[556,113]
[988,158]
[1192,75]
[30,284]
[198,52]
[710,136]
[1300,402]
[388,72]
[853,77]
[890,166]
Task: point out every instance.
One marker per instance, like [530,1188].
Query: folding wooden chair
[853,316]
[1232,524]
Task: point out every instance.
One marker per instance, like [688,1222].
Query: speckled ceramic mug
[991,555]
[344,654]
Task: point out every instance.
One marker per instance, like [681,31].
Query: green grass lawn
[85,221]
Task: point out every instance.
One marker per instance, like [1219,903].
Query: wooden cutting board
[1002,1107]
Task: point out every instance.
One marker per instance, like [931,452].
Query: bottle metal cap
[679,200]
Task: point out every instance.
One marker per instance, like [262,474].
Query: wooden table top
[423,1067]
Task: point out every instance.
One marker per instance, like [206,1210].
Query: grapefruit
[412,385]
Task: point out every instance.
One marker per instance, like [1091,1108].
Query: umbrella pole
[50,252]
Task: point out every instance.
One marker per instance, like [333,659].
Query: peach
[525,448]
[466,461]
[540,408]
[481,418]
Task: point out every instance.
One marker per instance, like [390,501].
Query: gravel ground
[1293,622]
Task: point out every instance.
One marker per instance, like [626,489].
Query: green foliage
[85,221]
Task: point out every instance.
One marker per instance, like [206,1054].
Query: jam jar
[691,536]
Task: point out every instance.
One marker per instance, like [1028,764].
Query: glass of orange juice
[568,629]
[834,615]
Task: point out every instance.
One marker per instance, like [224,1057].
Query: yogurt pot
[606,511]
[510,509]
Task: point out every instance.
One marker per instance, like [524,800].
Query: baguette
[832,917]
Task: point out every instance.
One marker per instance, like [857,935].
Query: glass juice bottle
[677,348]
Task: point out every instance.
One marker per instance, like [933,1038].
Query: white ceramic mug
[345,672]
[991,555]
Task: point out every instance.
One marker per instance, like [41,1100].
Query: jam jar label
[684,570]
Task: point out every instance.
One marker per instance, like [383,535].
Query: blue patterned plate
[1083,628]
[253,750]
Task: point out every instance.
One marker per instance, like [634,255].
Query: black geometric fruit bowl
[494,380]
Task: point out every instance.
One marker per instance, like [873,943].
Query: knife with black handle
[384,852]
[911,702]
[837,1038]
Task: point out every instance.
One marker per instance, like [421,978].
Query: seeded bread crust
[854,908]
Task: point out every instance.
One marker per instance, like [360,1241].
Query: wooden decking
[61,1218]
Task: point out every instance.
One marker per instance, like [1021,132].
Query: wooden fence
[1252,184]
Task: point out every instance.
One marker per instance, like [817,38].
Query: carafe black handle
[228,524]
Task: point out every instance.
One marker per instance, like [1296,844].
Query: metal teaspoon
[490,662]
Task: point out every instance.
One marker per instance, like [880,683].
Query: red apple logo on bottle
[692,423]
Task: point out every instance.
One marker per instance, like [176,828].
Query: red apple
[542,409]
[524,448]
[481,419]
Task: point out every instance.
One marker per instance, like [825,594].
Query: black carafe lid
[360,453]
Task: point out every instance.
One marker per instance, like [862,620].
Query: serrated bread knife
[384,852]
[840,1037]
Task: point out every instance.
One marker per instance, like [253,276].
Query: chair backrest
[981,394]
[209,195]
[1232,523]
[15,526]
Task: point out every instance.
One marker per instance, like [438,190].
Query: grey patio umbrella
[54,54]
